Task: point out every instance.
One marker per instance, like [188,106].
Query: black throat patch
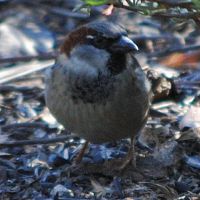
[117,63]
[94,90]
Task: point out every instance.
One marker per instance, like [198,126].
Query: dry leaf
[181,59]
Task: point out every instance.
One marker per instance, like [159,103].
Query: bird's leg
[130,157]
[79,157]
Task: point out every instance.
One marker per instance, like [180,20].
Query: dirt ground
[36,153]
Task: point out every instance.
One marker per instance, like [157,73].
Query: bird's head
[101,43]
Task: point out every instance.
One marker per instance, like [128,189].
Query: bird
[97,89]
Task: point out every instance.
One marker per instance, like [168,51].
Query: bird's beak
[124,44]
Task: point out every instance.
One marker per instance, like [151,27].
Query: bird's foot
[130,159]
[80,155]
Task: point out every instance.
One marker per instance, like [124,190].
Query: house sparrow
[96,88]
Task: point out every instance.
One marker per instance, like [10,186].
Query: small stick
[24,125]
[33,142]
[20,70]
[44,56]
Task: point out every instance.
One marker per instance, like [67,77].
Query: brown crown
[75,37]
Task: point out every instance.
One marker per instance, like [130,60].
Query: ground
[36,157]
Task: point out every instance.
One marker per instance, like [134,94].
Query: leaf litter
[36,158]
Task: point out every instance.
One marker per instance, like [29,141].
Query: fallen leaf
[181,59]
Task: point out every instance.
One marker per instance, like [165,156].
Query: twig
[118,5]
[63,12]
[35,141]
[45,56]
[187,15]
[23,69]
[15,88]
[24,125]
[173,3]
[67,13]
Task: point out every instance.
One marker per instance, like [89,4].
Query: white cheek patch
[75,65]
[81,67]
[88,58]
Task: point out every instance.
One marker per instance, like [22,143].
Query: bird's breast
[98,107]
[92,90]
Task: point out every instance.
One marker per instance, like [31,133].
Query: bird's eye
[100,40]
